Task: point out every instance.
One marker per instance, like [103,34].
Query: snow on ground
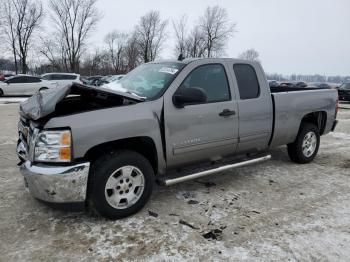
[11,100]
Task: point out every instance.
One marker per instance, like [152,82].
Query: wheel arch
[318,118]
[143,145]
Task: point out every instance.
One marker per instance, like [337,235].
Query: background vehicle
[171,121]
[287,84]
[24,85]
[62,79]
[319,85]
[108,79]
[7,76]
[93,80]
[273,83]
[300,84]
[344,92]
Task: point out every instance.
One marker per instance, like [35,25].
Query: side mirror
[189,95]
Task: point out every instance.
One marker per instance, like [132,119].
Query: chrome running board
[168,181]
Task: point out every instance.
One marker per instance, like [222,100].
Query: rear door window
[248,84]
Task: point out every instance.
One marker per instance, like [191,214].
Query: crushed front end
[50,175]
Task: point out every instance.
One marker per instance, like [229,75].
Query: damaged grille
[25,135]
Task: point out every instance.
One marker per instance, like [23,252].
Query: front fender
[93,128]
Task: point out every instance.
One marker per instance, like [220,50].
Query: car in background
[3,77]
[287,84]
[344,92]
[7,76]
[62,79]
[93,80]
[103,80]
[300,84]
[319,85]
[334,85]
[24,85]
[84,80]
[110,79]
[273,83]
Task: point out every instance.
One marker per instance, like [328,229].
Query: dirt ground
[275,211]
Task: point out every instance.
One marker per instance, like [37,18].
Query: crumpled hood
[44,103]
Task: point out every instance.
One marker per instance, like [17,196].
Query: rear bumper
[56,184]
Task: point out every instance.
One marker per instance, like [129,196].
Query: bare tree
[150,34]
[116,43]
[53,51]
[21,18]
[216,29]
[180,29]
[132,54]
[195,44]
[74,20]
[8,28]
[29,14]
[250,54]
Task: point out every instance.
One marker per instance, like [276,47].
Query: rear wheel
[120,184]
[1,92]
[305,147]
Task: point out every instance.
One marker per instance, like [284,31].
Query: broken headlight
[53,146]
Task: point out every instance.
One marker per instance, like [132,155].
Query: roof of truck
[189,60]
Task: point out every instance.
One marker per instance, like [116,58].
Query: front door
[200,132]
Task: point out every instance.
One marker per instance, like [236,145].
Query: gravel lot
[277,210]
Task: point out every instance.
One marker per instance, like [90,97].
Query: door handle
[227,112]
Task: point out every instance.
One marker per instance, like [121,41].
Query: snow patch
[340,135]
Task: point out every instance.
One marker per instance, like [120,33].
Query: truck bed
[291,106]
[291,89]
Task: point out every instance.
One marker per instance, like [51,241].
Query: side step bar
[172,181]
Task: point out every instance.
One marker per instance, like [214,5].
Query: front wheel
[305,147]
[1,92]
[120,184]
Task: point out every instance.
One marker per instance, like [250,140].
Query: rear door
[198,132]
[255,106]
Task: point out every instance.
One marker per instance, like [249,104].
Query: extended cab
[168,120]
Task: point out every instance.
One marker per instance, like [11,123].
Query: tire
[305,147]
[1,92]
[109,194]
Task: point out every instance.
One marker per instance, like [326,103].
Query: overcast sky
[294,36]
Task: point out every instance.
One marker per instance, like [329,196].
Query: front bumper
[56,184]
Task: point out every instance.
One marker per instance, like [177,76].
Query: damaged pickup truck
[169,121]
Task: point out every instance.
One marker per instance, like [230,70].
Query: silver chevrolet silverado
[169,121]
